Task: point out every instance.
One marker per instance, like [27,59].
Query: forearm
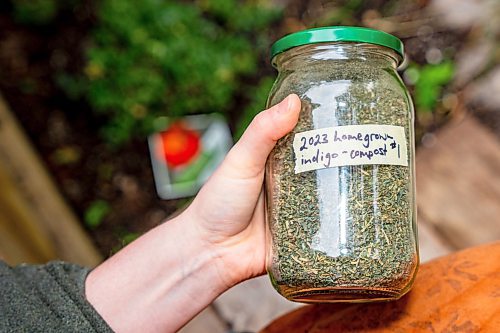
[159,282]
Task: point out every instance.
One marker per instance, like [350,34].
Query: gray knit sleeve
[46,298]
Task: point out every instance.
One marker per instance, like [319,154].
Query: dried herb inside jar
[347,226]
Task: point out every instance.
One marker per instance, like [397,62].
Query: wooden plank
[37,210]
[21,239]
[458,184]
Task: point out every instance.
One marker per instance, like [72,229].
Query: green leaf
[95,213]
[430,83]
[129,238]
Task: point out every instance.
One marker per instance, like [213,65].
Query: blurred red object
[180,144]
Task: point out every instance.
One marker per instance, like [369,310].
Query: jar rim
[337,34]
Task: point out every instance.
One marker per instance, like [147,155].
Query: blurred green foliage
[96,212]
[125,237]
[429,81]
[343,13]
[155,58]
[39,12]
[35,12]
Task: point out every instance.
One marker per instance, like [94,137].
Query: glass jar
[340,187]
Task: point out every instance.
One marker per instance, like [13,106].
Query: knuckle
[260,121]
[265,124]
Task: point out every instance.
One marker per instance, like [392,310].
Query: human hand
[229,210]
[165,277]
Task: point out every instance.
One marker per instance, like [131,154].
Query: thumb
[248,156]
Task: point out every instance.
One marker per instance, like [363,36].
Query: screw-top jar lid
[337,34]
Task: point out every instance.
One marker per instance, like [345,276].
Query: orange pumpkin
[456,293]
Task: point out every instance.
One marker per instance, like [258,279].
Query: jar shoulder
[338,80]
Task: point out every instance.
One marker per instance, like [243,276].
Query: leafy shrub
[153,58]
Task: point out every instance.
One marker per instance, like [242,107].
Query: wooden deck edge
[40,198]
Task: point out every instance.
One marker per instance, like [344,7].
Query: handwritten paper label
[350,145]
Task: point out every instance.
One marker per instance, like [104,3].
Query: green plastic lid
[337,34]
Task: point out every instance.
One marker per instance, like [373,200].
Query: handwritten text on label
[350,145]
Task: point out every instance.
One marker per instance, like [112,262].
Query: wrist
[209,257]
[199,276]
[167,268]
